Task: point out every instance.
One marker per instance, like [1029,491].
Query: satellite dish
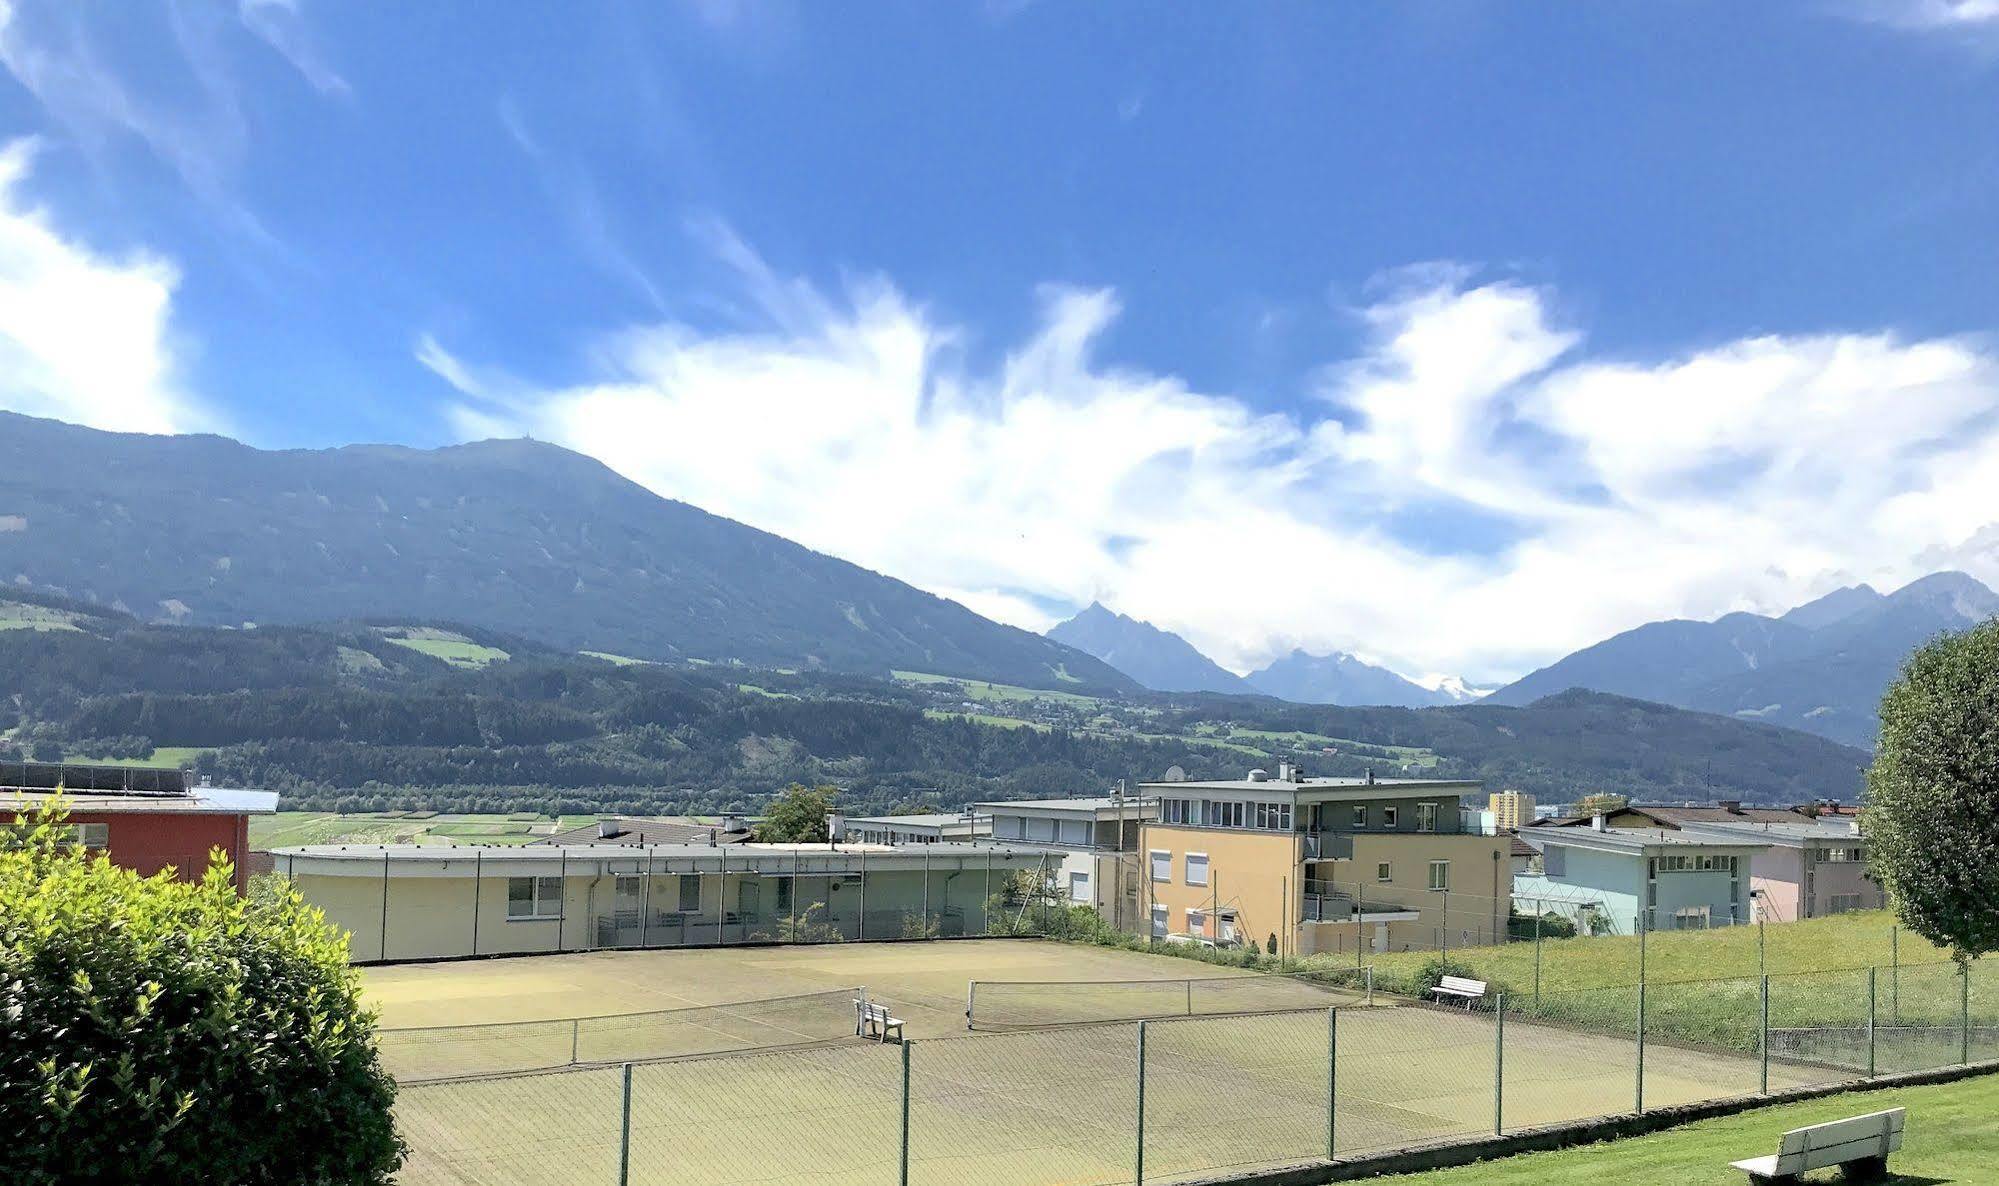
[1176,774]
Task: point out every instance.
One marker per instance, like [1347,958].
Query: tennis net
[425,1053]
[1035,1004]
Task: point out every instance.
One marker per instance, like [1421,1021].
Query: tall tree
[1932,815]
[798,816]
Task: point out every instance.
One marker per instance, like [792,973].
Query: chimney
[1731,806]
[1284,772]
[1597,823]
[1370,776]
[836,826]
[711,838]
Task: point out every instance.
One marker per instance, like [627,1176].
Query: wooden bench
[1863,1142]
[874,1021]
[1459,988]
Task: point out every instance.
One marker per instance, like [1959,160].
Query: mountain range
[1165,662]
[510,535]
[1820,667]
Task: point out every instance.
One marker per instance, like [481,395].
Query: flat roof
[359,859]
[1790,835]
[929,819]
[1100,804]
[1632,840]
[1295,785]
[193,801]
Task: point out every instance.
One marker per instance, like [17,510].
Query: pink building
[1811,868]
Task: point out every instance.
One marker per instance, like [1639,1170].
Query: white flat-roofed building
[1092,844]
[930,828]
[422,902]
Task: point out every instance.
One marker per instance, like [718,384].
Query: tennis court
[925,982]
[1052,1103]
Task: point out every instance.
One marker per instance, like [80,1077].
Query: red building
[144,818]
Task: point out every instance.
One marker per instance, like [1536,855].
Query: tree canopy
[1932,815]
[798,816]
[154,1030]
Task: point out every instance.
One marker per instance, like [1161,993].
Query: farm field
[164,755]
[1857,940]
[1952,1135]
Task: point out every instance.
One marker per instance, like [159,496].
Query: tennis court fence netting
[1038,1004]
[1170,1099]
[422,1053]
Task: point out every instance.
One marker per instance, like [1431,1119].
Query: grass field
[165,755]
[983,690]
[286,829]
[1857,940]
[1953,1136]
[1035,1108]
[448,645]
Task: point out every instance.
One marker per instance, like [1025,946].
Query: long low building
[420,902]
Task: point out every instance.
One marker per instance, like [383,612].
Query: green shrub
[158,1031]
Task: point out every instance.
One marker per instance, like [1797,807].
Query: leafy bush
[159,1031]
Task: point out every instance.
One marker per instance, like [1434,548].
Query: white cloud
[282,26]
[1753,474]
[1932,14]
[83,337]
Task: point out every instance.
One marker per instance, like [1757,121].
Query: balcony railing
[1326,901]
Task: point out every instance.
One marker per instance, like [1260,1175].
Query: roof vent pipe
[1370,776]
[1259,775]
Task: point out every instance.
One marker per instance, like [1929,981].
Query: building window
[1197,868]
[1360,815]
[1381,873]
[90,835]
[1079,887]
[1227,922]
[1841,903]
[1197,921]
[1426,817]
[1173,811]
[690,893]
[1690,918]
[1440,875]
[1273,817]
[1224,815]
[1162,864]
[534,897]
[1845,855]
[1388,817]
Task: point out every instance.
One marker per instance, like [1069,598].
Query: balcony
[1327,901]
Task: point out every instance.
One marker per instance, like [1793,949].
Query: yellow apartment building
[1511,810]
[1324,864]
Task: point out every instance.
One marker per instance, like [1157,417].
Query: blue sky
[1495,327]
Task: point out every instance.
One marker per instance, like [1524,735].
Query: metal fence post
[1540,908]
[1895,974]
[864,912]
[1446,953]
[1640,1089]
[1332,1080]
[625,1134]
[1765,996]
[904,1179]
[1499,1064]
[478,856]
[1140,1170]
[1870,1022]
[575,1035]
[385,903]
[1964,1015]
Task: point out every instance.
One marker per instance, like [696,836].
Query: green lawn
[1857,940]
[620,660]
[165,755]
[449,645]
[290,828]
[937,714]
[982,690]
[1953,1136]
[16,615]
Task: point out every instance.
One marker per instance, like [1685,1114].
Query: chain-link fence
[1173,1099]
